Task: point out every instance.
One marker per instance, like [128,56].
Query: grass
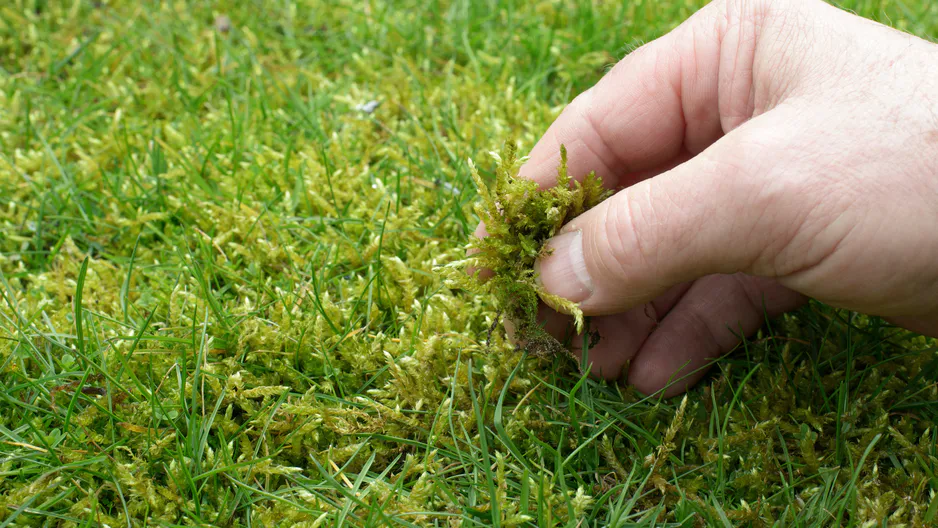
[220,301]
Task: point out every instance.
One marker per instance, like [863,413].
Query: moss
[520,217]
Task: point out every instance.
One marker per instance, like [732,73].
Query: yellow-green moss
[519,218]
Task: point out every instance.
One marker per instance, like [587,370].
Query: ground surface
[219,303]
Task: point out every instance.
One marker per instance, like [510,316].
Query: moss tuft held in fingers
[520,217]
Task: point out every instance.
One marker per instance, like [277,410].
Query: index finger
[655,108]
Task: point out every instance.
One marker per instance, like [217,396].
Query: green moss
[519,218]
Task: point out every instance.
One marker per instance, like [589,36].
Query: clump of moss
[520,217]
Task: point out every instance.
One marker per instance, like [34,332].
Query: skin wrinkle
[792,250]
[631,178]
[583,107]
[657,93]
[614,259]
[701,121]
[553,159]
[760,255]
[570,136]
[613,178]
[731,171]
[904,290]
[782,71]
[695,314]
[931,135]
[673,209]
[824,260]
[766,261]
[926,93]
[801,263]
[696,318]
[743,72]
[831,76]
[730,116]
[770,196]
[830,266]
[640,210]
[766,82]
[719,332]
[665,303]
[750,293]
[641,143]
[676,83]
[606,147]
[691,86]
[663,215]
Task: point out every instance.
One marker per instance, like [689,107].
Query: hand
[766,151]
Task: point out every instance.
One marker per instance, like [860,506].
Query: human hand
[766,151]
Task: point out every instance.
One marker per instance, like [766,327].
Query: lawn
[222,230]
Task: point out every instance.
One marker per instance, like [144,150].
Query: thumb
[720,212]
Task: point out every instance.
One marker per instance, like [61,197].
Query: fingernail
[564,272]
